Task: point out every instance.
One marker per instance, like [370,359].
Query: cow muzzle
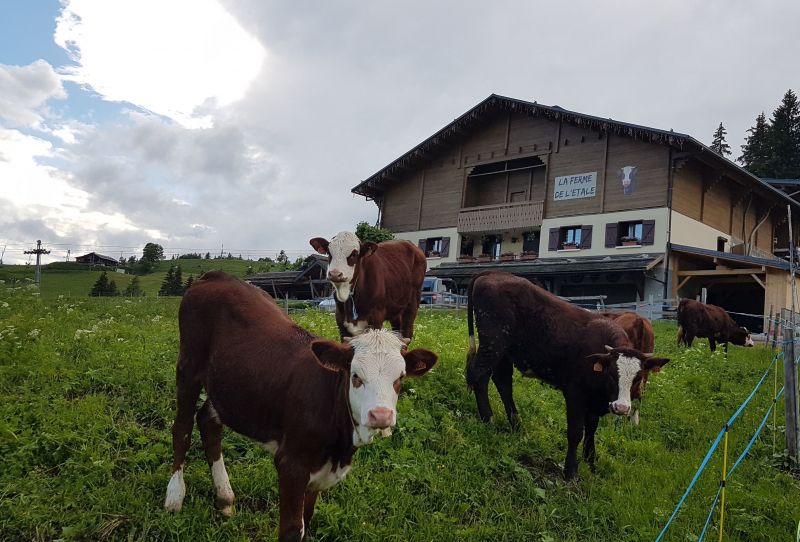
[619,408]
[336,276]
[380,418]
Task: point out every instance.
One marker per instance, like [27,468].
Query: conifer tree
[100,286]
[166,284]
[112,289]
[176,288]
[189,282]
[719,145]
[784,139]
[133,289]
[755,151]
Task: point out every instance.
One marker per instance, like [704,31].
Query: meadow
[87,401]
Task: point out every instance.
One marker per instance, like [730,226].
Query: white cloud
[24,91]
[180,59]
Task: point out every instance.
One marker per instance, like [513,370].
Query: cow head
[376,361]
[345,251]
[623,372]
[741,336]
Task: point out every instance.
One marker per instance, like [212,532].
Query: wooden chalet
[309,282]
[93,258]
[588,206]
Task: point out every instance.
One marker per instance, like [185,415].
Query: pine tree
[784,139]
[112,289]
[166,284]
[755,152]
[177,282]
[133,289]
[208,255]
[100,286]
[719,145]
[189,283]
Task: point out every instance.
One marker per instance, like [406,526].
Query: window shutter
[554,235]
[422,245]
[586,237]
[445,247]
[648,232]
[612,234]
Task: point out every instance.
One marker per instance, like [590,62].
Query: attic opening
[507,181]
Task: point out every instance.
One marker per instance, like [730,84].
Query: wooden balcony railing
[500,217]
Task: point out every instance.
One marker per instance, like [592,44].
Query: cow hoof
[226,511]
[176,491]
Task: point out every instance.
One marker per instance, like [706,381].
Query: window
[467,246]
[570,238]
[435,247]
[631,233]
[491,245]
[530,241]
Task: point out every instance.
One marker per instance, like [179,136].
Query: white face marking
[627,368]
[356,328]
[176,491]
[749,341]
[377,364]
[340,248]
[223,486]
[327,477]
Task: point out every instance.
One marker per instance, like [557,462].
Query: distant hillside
[75,280]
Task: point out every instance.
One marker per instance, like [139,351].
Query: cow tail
[678,316]
[471,319]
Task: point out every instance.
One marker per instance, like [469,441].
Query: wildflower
[33,333]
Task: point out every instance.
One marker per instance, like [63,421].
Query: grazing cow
[698,320]
[587,357]
[640,332]
[308,401]
[373,282]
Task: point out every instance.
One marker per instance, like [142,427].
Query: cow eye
[357,382]
[352,258]
[397,385]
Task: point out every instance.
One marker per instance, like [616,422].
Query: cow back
[391,275]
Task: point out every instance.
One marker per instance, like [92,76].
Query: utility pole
[67,256]
[38,251]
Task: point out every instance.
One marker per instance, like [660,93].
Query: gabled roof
[99,256]
[370,187]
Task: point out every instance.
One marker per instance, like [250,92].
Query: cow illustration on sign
[627,174]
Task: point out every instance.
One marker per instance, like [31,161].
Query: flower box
[507,257]
[466,259]
[569,246]
[528,256]
[630,242]
[484,258]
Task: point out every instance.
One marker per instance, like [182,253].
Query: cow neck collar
[352,297]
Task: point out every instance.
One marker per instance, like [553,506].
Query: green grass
[76,280]
[87,399]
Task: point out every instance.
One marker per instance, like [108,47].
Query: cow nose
[380,418]
[335,276]
[620,408]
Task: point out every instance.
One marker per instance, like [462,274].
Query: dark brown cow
[373,282]
[586,356]
[698,320]
[309,401]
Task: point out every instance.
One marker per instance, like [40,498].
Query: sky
[241,125]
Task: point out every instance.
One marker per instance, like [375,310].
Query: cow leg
[309,502]
[589,452]
[408,318]
[211,434]
[188,390]
[575,424]
[502,381]
[479,369]
[712,344]
[292,484]
[688,339]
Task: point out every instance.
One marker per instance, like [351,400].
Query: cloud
[181,59]
[24,91]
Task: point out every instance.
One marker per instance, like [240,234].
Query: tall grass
[87,399]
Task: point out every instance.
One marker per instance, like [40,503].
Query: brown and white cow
[587,357]
[309,401]
[640,332]
[698,320]
[373,282]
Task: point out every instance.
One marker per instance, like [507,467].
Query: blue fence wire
[714,446]
[710,515]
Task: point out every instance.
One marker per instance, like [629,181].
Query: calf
[587,357]
[373,282]
[698,320]
[308,401]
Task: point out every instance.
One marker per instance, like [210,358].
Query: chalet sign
[582,185]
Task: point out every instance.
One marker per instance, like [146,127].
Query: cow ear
[320,244]
[419,361]
[655,364]
[332,355]
[601,362]
[367,249]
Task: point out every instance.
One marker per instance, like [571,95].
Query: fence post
[790,386]
[703,296]
[650,308]
[286,302]
[722,483]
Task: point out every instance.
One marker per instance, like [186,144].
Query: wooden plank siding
[652,173]
[717,205]
[687,192]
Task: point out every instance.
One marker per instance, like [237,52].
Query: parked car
[437,291]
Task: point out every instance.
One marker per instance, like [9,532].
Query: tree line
[772,148]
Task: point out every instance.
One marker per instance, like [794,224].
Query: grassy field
[75,280]
[87,399]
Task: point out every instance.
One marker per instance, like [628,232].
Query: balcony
[501,217]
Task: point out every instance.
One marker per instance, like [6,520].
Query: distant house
[589,206]
[309,282]
[93,258]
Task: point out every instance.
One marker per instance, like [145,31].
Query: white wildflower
[33,333]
